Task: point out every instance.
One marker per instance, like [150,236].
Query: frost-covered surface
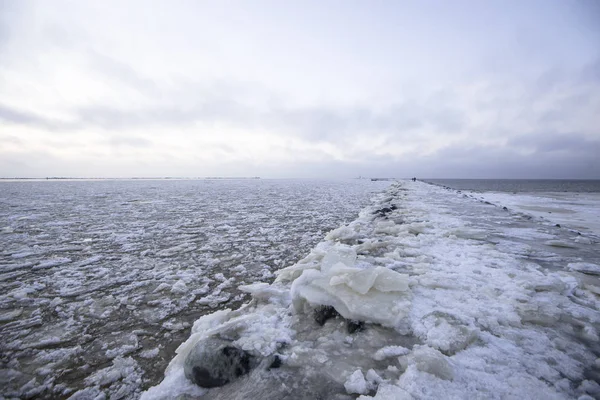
[101,281]
[578,211]
[461,299]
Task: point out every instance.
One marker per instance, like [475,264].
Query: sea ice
[453,304]
[356,383]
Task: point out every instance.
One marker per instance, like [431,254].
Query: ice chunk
[447,333]
[388,392]
[179,287]
[586,268]
[373,377]
[430,360]
[390,351]
[361,281]
[344,255]
[149,353]
[266,292]
[161,287]
[375,295]
[341,233]
[356,383]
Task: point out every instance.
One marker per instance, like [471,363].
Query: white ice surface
[457,306]
[578,211]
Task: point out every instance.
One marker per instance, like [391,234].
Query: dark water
[521,185]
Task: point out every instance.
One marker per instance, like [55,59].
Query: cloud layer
[338,90]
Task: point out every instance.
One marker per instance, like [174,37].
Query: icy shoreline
[458,299]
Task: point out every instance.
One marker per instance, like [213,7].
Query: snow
[574,210]
[455,304]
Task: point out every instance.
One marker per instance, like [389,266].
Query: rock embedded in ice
[356,383]
[324,313]
[353,326]
[430,360]
[215,362]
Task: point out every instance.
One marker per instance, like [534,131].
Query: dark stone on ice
[323,313]
[355,326]
[505,209]
[203,377]
[382,212]
[276,362]
[557,225]
[215,362]
[393,207]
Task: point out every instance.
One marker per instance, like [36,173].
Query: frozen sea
[459,292]
[432,292]
[100,281]
[573,203]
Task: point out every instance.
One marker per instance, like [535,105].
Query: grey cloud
[121,72]
[314,123]
[18,117]
[544,142]
[509,162]
[9,114]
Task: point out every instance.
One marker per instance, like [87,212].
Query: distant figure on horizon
[414,179]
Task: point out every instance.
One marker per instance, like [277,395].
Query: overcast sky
[456,89]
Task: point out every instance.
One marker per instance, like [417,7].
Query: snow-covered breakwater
[430,293]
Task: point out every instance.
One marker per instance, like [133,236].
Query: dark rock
[323,313]
[505,209]
[215,362]
[276,362]
[557,225]
[393,207]
[354,326]
[383,212]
